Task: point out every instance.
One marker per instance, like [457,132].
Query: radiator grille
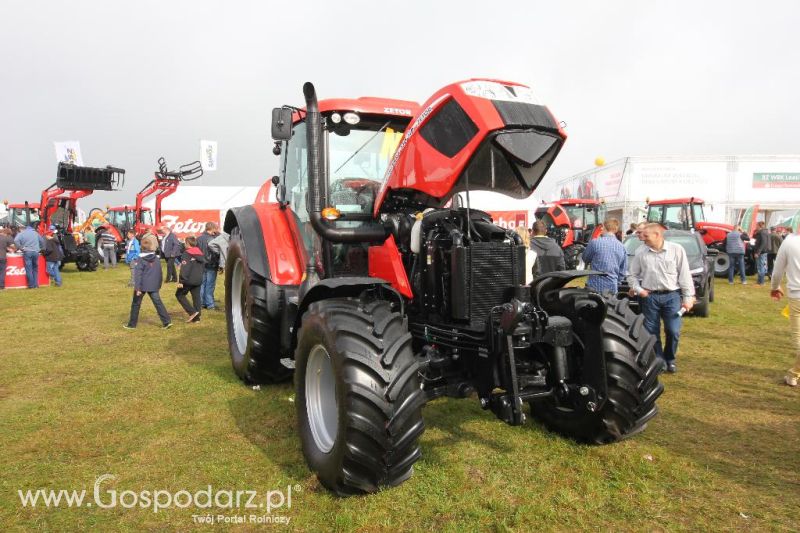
[494,268]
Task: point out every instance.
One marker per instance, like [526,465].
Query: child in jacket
[147,279]
[191,277]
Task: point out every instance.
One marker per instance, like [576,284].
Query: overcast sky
[133,81]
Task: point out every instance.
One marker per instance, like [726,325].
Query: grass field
[162,410]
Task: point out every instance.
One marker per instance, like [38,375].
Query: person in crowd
[90,238]
[530,255]
[212,265]
[659,275]
[640,230]
[132,251]
[171,248]
[631,229]
[606,254]
[219,245]
[108,244]
[191,278]
[31,245]
[734,247]
[787,263]
[549,255]
[775,239]
[52,257]
[762,249]
[6,245]
[147,279]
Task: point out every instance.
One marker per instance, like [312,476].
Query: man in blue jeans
[734,247]
[761,251]
[30,244]
[212,264]
[659,275]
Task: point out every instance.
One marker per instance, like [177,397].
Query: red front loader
[379,298]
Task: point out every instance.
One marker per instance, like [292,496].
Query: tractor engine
[471,318]
[461,268]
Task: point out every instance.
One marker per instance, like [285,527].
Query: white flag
[208,155]
[69,152]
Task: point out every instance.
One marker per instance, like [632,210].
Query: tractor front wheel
[631,375]
[358,395]
[253,336]
[86,258]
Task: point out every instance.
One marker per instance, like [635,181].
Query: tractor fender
[246,220]
[553,281]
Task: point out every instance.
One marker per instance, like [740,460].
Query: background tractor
[379,298]
[58,207]
[21,215]
[141,219]
[687,214]
[573,222]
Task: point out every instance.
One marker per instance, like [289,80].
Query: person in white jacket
[787,263]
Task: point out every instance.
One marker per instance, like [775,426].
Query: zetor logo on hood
[189,222]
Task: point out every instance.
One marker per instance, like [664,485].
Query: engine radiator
[492,269]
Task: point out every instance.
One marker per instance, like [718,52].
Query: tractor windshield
[18,217]
[358,158]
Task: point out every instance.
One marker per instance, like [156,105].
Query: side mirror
[282,123]
[458,202]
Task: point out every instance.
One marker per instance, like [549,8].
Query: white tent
[188,210]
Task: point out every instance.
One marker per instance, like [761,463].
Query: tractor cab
[21,215]
[125,218]
[683,213]
[359,142]
[573,222]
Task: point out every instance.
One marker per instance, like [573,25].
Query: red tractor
[22,215]
[58,207]
[687,214]
[140,219]
[573,222]
[379,298]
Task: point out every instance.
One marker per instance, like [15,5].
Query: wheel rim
[238,306]
[721,263]
[323,414]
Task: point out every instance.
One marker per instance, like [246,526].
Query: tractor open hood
[478,135]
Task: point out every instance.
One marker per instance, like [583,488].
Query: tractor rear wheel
[358,395]
[253,336]
[573,257]
[632,370]
[721,264]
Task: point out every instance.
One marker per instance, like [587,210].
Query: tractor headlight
[493,90]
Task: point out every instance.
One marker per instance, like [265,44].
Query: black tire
[721,264]
[572,256]
[701,307]
[378,398]
[253,336]
[86,258]
[632,370]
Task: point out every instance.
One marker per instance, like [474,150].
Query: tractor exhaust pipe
[368,232]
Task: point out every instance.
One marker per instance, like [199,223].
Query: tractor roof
[369,105]
[577,201]
[33,205]
[691,200]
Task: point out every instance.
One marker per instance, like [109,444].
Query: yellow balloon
[599,161]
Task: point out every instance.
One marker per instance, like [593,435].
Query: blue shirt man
[606,254]
[30,244]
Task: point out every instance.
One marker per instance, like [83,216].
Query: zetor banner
[776,180]
[510,219]
[185,222]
